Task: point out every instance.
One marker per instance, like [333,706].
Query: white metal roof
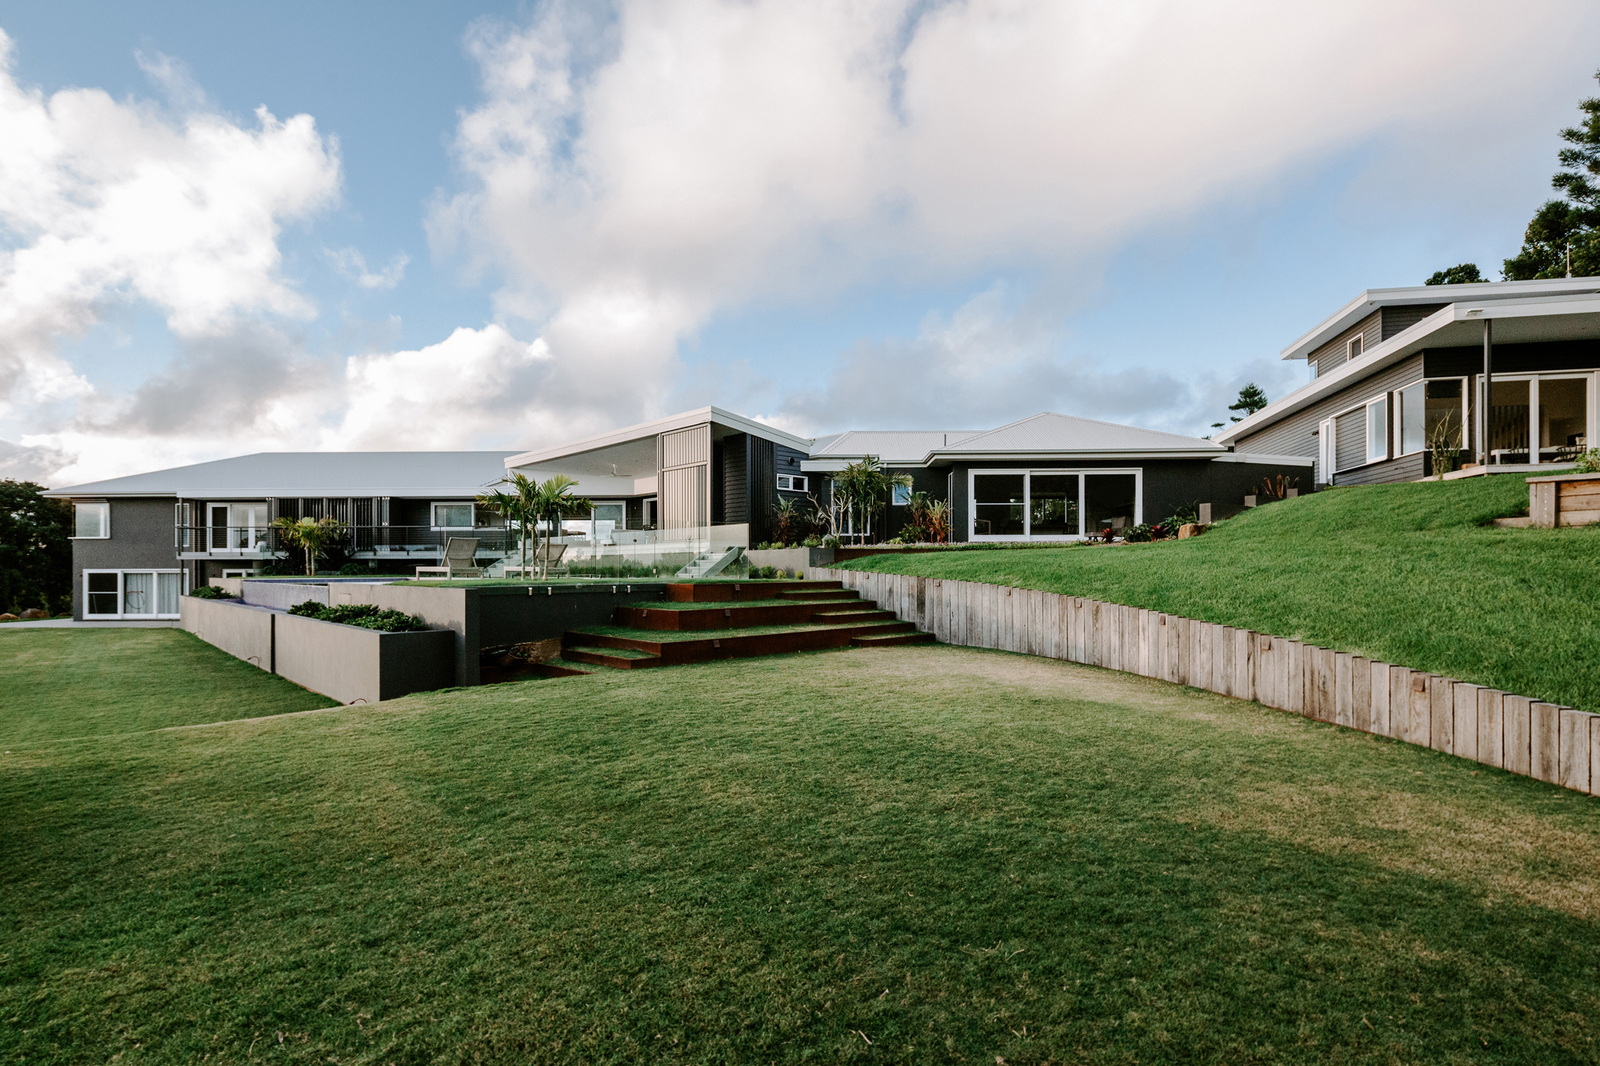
[889,446]
[1475,293]
[1526,321]
[263,474]
[1040,435]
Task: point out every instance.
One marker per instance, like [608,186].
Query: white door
[1325,452]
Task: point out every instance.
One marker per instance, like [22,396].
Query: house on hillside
[1393,366]
[697,484]
[139,542]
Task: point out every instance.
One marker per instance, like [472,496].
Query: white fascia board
[1071,457]
[1266,460]
[234,492]
[683,420]
[1408,342]
[1373,299]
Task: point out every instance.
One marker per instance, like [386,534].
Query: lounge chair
[460,560]
[556,552]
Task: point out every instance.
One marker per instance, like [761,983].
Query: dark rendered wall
[141,537]
[1169,485]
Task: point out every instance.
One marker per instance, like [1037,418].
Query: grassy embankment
[908,855]
[1407,574]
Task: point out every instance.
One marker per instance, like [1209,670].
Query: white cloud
[353,265]
[687,159]
[104,201]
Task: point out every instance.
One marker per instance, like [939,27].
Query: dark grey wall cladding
[761,477]
[1297,434]
[735,478]
[935,482]
[1399,319]
[141,536]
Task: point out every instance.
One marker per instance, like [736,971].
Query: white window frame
[105,518]
[1326,451]
[973,473]
[122,583]
[1355,347]
[1398,426]
[795,483]
[899,495]
[257,533]
[433,514]
[1589,376]
[1383,455]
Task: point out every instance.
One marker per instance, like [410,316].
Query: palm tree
[310,535]
[864,486]
[553,500]
[518,506]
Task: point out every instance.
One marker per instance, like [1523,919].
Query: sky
[228,228]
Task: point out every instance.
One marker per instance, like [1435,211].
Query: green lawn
[899,855]
[57,683]
[1403,573]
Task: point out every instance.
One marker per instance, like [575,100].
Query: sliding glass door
[1052,504]
[1540,418]
[131,593]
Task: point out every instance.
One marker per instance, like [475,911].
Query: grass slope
[72,683]
[951,854]
[1402,573]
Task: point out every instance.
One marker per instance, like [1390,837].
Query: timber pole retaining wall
[1513,733]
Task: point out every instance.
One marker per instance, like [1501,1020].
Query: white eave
[1410,296]
[699,416]
[1546,318]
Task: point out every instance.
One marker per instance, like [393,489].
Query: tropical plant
[860,491]
[313,536]
[552,500]
[365,615]
[1276,488]
[519,506]
[789,520]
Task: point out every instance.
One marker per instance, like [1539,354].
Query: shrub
[210,592]
[365,615]
[1588,462]
[830,541]
[354,570]
[812,541]
[1140,534]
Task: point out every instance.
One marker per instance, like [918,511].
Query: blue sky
[505,225]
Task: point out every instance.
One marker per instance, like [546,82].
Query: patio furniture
[460,559]
[556,552]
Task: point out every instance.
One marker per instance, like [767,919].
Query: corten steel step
[695,619]
[892,640]
[818,594]
[865,613]
[598,657]
[733,591]
[731,646]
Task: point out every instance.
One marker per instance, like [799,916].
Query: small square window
[1355,347]
[91,521]
[901,495]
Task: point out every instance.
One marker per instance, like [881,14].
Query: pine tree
[1564,237]
[1251,399]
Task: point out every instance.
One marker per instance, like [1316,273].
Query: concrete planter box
[356,665]
[241,631]
[791,559]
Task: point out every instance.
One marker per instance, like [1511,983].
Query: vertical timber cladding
[683,494]
[1556,744]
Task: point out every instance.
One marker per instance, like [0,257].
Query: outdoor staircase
[710,563]
[729,620]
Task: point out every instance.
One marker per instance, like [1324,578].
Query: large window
[1539,419]
[1378,430]
[452,516]
[131,593]
[999,504]
[1424,407]
[1509,411]
[1563,418]
[1049,504]
[91,521]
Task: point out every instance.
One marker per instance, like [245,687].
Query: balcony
[360,542]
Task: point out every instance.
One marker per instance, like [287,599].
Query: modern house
[141,541]
[680,491]
[1503,373]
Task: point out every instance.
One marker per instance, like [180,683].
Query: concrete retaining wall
[242,631]
[1524,736]
[794,560]
[355,665]
[348,663]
